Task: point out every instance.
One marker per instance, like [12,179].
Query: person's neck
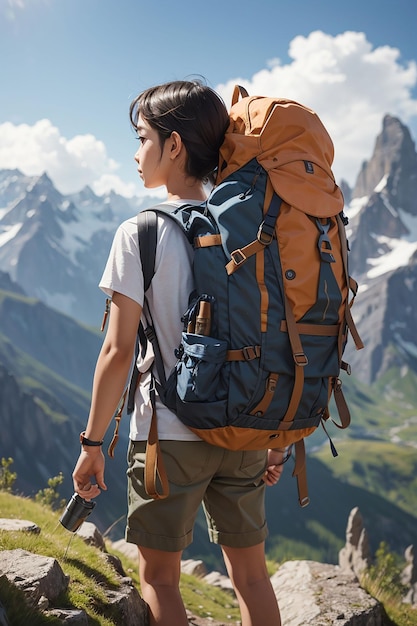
[182,189]
[187,194]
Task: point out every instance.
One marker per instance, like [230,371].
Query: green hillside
[378,451]
[42,382]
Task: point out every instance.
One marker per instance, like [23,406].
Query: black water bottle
[76,512]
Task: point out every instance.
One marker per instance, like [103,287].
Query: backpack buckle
[238,257]
[251,352]
[265,234]
[300,359]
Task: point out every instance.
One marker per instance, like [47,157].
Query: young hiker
[180,127]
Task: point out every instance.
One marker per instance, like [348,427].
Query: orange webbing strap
[353,330]
[271,385]
[154,465]
[105,314]
[205,241]
[117,418]
[352,285]
[341,405]
[239,92]
[300,472]
[300,361]
[248,353]
[241,255]
[260,264]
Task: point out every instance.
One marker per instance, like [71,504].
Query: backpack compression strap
[264,238]
[352,285]
[154,465]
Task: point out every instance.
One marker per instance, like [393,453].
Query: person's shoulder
[128,226]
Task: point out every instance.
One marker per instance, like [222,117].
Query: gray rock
[74,617]
[315,594]
[33,574]
[218,580]
[132,609]
[13,525]
[355,557]
[91,535]
[115,563]
[42,580]
[409,576]
[194,568]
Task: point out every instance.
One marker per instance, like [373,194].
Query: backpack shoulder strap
[147,226]
[147,235]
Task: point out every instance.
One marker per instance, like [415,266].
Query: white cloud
[349,84]
[108,182]
[71,163]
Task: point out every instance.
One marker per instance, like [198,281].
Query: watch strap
[84,441]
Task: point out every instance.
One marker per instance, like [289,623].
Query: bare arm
[110,377]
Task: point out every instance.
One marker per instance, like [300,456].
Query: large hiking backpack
[263,339]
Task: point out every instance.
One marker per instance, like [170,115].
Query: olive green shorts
[228,484]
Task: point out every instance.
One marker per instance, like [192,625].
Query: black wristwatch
[87,442]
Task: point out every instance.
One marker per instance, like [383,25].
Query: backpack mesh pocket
[199,367]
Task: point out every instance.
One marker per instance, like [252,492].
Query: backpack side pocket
[199,367]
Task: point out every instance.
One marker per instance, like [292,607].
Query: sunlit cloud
[71,163]
[348,83]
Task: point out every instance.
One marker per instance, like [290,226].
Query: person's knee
[247,578]
[159,569]
[246,566]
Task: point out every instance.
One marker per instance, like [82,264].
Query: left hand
[90,464]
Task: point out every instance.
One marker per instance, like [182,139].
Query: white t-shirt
[167,297]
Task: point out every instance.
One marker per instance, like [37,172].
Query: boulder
[23,525]
[314,594]
[355,557]
[37,576]
[409,576]
[91,535]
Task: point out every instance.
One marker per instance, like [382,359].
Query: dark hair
[196,112]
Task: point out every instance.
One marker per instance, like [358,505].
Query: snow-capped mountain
[383,257]
[55,246]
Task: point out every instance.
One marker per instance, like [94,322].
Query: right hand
[274,468]
[90,465]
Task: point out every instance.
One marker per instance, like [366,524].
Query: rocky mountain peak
[393,166]
[383,246]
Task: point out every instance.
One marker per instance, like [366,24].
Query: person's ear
[175,143]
